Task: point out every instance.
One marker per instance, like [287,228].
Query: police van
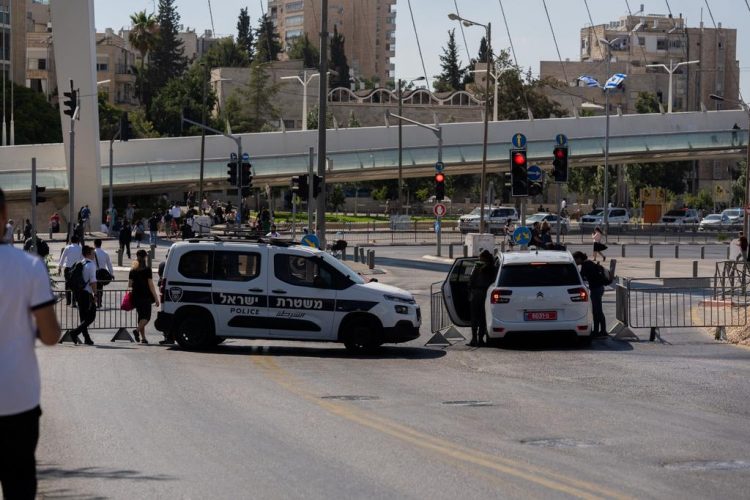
[213,290]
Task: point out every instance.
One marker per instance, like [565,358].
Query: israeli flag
[615,81]
[589,81]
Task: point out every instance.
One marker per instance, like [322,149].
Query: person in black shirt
[480,280]
[125,237]
[591,273]
[143,293]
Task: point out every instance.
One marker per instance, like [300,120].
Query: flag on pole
[589,81]
[615,80]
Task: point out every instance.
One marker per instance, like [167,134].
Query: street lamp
[304,80]
[671,69]
[746,107]
[400,140]
[488,31]
[495,76]
[605,219]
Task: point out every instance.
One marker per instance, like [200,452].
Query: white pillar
[74,35]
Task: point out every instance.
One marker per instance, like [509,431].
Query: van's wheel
[361,337]
[194,333]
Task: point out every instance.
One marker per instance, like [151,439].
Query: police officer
[481,278]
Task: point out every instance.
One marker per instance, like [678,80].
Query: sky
[527,22]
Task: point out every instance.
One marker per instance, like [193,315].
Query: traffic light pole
[322,124]
[559,212]
[310,191]
[33,205]
[111,168]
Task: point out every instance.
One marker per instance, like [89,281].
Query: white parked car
[615,217]
[681,216]
[713,222]
[495,219]
[551,219]
[735,216]
[213,290]
[536,291]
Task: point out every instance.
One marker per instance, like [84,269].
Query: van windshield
[342,268]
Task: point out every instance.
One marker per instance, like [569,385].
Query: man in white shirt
[70,255]
[26,313]
[86,298]
[103,262]
[273,233]
[8,232]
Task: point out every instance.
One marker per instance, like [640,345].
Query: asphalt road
[263,419]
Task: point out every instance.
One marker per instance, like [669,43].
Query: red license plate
[540,315]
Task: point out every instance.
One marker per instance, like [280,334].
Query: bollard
[695,269]
[362,255]
[152,251]
[50,233]
[119,258]
[622,251]
[466,251]
[727,252]
[677,251]
[657,268]
[343,254]
[371,259]
[502,247]
[450,251]
[651,251]
[356,254]
[703,253]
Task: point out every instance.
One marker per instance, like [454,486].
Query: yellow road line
[527,472]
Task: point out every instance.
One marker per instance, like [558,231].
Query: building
[642,40]
[369,29]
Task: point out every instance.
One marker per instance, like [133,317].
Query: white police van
[213,290]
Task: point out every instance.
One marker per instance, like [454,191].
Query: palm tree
[143,37]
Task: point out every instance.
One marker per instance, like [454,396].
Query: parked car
[615,217]
[680,216]
[551,219]
[735,216]
[714,222]
[495,219]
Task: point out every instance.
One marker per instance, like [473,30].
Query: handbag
[103,277]
[127,302]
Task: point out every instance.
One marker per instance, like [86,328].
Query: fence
[439,319]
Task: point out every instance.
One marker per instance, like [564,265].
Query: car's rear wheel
[194,333]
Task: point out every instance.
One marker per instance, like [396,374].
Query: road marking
[527,472]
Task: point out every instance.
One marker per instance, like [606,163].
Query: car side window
[196,265]
[236,266]
[298,270]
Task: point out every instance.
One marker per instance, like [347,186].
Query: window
[236,266]
[294,6]
[196,265]
[294,20]
[306,271]
[661,44]
[102,66]
[42,64]
[525,275]
[641,40]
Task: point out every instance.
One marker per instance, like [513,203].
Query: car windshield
[538,274]
[712,217]
[535,218]
[596,212]
[731,213]
[342,268]
[676,213]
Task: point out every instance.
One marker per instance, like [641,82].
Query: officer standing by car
[590,271]
[480,280]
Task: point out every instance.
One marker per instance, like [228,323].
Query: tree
[181,95]
[252,107]
[337,198]
[312,118]
[304,50]
[482,55]
[339,63]
[109,118]
[452,76]
[353,121]
[267,45]
[245,40]
[647,103]
[167,59]
[140,126]
[36,121]
[143,37]
[225,54]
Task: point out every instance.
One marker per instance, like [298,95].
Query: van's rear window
[538,275]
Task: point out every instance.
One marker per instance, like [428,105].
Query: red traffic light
[519,158]
[560,153]
[439,177]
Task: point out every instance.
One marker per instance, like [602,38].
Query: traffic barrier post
[657,268]
[695,269]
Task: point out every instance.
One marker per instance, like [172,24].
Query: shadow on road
[388,352]
[413,264]
[544,343]
[53,471]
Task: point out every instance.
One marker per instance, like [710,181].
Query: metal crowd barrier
[439,319]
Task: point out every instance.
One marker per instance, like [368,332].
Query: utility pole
[400,149]
[71,187]
[322,112]
[33,205]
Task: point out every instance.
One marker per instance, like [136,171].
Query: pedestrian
[592,274]
[265,219]
[42,248]
[129,213]
[27,229]
[743,246]
[8,234]
[54,223]
[273,233]
[85,218]
[536,235]
[85,296]
[26,313]
[104,272]
[139,232]
[125,236]
[143,293]
[546,235]
[69,256]
[480,280]
[153,228]
[599,247]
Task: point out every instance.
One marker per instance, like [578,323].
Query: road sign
[439,210]
[245,157]
[310,240]
[437,226]
[522,236]
[519,141]
[233,156]
[535,173]
[561,140]
[439,166]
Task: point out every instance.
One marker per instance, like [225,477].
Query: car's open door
[456,291]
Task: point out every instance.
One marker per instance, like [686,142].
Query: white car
[551,219]
[713,222]
[734,216]
[213,290]
[680,216]
[615,217]
[536,291]
[495,219]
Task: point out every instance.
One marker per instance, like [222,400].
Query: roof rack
[259,240]
[207,238]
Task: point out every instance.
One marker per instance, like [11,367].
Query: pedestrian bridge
[359,154]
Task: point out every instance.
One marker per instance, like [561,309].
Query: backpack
[76,281]
[604,276]
[42,248]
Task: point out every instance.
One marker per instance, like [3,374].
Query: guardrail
[439,319]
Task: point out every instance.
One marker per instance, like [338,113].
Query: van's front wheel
[361,337]
[194,333]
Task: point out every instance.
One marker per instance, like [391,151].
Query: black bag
[103,277]
[603,276]
[76,281]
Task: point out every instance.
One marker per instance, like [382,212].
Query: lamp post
[671,69]
[400,141]
[495,76]
[305,80]
[488,32]
[746,107]
[605,219]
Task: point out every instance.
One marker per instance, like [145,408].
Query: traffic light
[70,102]
[519,173]
[40,189]
[232,173]
[246,178]
[317,185]
[304,188]
[245,192]
[439,186]
[560,164]
[125,132]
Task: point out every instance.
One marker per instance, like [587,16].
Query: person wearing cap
[141,286]
[481,278]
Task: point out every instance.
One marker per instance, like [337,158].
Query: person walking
[273,233]
[86,297]
[27,229]
[153,228]
[70,255]
[143,293]
[139,231]
[129,213]
[85,219]
[125,236]
[743,246]
[480,280]
[26,313]
[104,271]
[591,273]
[8,232]
[599,247]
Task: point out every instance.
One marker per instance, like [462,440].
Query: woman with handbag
[599,247]
[143,293]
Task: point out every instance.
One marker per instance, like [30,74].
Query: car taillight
[500,296]
[578,294]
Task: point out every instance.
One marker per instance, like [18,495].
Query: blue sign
[245,157]
[310,240]
[519,141]
[439,166]
[522,236]
[561,140]
[535,173]
[437,226]
[233,156]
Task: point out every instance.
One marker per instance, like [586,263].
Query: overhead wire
[463,33]
[211,13]
[557,48]
[419,46]
[654,77]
